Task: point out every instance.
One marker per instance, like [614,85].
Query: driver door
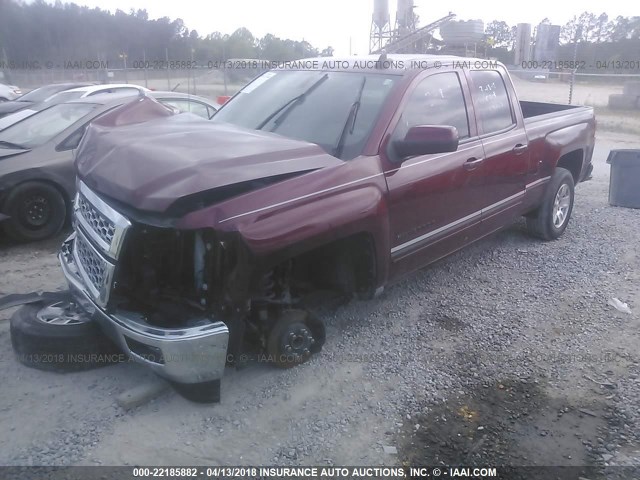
[434,200]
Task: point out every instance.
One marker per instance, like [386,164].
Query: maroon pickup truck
[197,239]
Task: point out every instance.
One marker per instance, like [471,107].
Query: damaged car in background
[195,241]
[37,176]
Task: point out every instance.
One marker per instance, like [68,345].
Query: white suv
[83,92]
[9,92]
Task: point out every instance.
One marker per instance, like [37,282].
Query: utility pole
[575,59]
[123,56]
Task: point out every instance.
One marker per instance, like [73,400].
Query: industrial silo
[405,18]
[547,41]
[462,32]
[381,13]
[523,43]
[380,25]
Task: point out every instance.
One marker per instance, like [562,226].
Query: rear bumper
[186,355]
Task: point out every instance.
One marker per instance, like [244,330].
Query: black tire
[308,333]
[542,223]
[37,210]
[59,348]
[205,392]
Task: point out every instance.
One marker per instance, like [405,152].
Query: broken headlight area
[171,276]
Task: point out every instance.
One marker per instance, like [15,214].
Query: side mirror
[427,139]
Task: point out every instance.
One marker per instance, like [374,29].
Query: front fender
[300,214]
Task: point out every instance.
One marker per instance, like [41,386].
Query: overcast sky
[341,23]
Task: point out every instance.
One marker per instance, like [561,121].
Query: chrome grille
[100,224]
[92,265]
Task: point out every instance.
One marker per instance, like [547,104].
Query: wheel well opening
[346,265]
[572,161]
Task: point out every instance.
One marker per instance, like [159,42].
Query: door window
[491,101]
[196,108]
[437,100]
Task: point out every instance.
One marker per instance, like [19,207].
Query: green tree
[499,34]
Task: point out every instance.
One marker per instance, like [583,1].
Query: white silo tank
[404,15]
[462,32]
[381,13]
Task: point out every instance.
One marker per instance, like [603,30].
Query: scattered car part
[59,336]
[17,299]
[619,305]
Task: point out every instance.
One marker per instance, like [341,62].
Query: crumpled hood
[150,165]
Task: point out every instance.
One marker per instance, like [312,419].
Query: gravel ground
[504,353]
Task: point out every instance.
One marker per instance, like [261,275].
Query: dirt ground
[506,353]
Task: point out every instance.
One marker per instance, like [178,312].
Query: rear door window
[491,100]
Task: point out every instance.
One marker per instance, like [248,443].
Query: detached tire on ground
[550,220]
[37,211]
[58,337]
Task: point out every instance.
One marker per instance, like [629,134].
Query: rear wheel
[550,220]
[37,211]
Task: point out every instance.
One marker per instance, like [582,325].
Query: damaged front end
[153,290]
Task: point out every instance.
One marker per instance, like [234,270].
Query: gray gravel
[508,309]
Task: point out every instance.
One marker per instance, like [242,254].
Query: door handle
[472,163]
[520,148]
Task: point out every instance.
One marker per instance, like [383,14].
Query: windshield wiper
[287,107]
[350,124]
[12,145]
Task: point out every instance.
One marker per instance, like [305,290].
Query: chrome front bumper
[186,355]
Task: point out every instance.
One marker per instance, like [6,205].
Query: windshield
[313,106]
[15,117]
[40,94]
[41,127]
[65,96]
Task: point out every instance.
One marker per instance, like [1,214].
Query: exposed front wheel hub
[293,338]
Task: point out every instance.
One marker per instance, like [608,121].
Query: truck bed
[537,109]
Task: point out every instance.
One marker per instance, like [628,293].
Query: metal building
[547,41]
[523,43]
